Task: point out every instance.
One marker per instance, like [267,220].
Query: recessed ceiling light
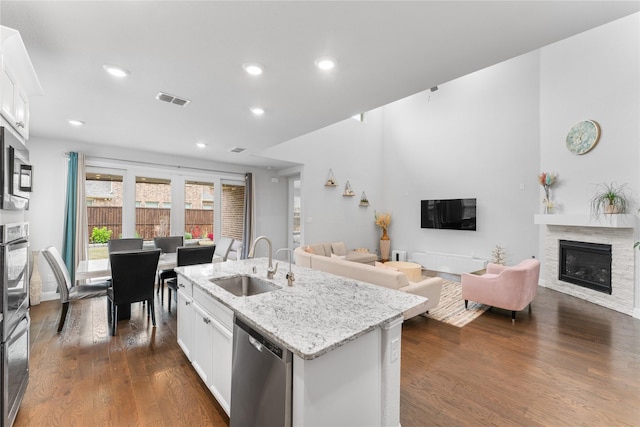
[74,122]
[201,145]
[116,71]
[257,111]
[325,63]
[253,68]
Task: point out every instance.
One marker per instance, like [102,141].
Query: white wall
[353,151]
[46,213]
[594,75]
[475,137]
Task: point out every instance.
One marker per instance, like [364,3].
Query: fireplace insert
[586,264]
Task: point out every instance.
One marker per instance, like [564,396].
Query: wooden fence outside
[150,222]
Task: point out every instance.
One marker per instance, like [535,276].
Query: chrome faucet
[270,270]
[290,276]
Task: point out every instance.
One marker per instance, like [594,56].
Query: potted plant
[609,199]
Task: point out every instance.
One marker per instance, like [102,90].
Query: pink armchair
[509,288]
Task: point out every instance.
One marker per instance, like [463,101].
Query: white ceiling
[195,49]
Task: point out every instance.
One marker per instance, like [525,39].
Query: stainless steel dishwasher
[260,381]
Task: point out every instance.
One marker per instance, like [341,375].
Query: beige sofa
[429,287]
[338,249]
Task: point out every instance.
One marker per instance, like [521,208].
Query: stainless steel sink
[243,285]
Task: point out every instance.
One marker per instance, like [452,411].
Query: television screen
[450,214]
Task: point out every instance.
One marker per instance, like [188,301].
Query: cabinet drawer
[185,285]
[223,314]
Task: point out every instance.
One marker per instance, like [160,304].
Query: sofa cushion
[318,249]
[361,257]
[337,256]
[363,272]
[382,265]
[338,248]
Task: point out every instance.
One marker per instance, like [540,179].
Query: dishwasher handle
[260,342]
[254,342]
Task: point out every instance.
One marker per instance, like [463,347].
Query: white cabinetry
[19,82]
[185,322]
[205,335]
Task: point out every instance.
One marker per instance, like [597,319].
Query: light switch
[522,186]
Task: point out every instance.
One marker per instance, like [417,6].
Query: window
[198,213]
[232,210]
[103,193]
[152,220]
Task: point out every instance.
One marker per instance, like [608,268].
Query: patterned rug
[451,307]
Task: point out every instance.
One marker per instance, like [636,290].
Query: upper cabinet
[19,82]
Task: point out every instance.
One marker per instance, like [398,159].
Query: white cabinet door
[202,344]
[22,114]
[185,323]
[9,89]
[222,349]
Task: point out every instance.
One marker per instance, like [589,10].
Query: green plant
[100,235]
[187,235]
[609,198]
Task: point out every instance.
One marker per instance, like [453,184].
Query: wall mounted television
[449,214]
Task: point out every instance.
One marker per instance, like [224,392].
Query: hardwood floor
[566,363]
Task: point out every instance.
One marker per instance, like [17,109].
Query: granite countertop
[319,313]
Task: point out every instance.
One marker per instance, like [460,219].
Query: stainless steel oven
[15,370]
[14,277]
[14,318]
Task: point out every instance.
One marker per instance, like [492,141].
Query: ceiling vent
[237,150]
[161,96]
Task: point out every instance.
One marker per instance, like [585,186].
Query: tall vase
[35,282]
[385,246]
[547,200]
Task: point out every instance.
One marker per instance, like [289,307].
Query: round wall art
[583,136]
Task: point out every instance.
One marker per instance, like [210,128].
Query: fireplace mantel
[578,220]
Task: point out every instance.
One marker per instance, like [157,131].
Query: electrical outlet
[50,278]
[395,349]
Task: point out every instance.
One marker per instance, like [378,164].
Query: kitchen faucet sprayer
[290,277]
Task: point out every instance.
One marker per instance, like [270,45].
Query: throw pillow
[308,249]
[338,248]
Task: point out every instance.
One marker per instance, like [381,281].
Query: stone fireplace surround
[615,230]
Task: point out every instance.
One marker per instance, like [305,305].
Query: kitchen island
[344,336]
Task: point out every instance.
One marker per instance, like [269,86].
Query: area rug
[451,309]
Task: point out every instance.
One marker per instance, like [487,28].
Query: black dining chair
[70,291]
[126,244]
[133,275]
[167,245]
[189,255]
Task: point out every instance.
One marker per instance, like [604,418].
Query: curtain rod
[137,162]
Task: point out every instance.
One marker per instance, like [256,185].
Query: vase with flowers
[546,179]
[383,221]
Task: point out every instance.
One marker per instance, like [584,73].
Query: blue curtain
[68,244]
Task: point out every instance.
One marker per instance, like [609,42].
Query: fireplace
[585,264]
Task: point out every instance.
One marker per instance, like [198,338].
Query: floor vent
[237,150]
[161,96]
